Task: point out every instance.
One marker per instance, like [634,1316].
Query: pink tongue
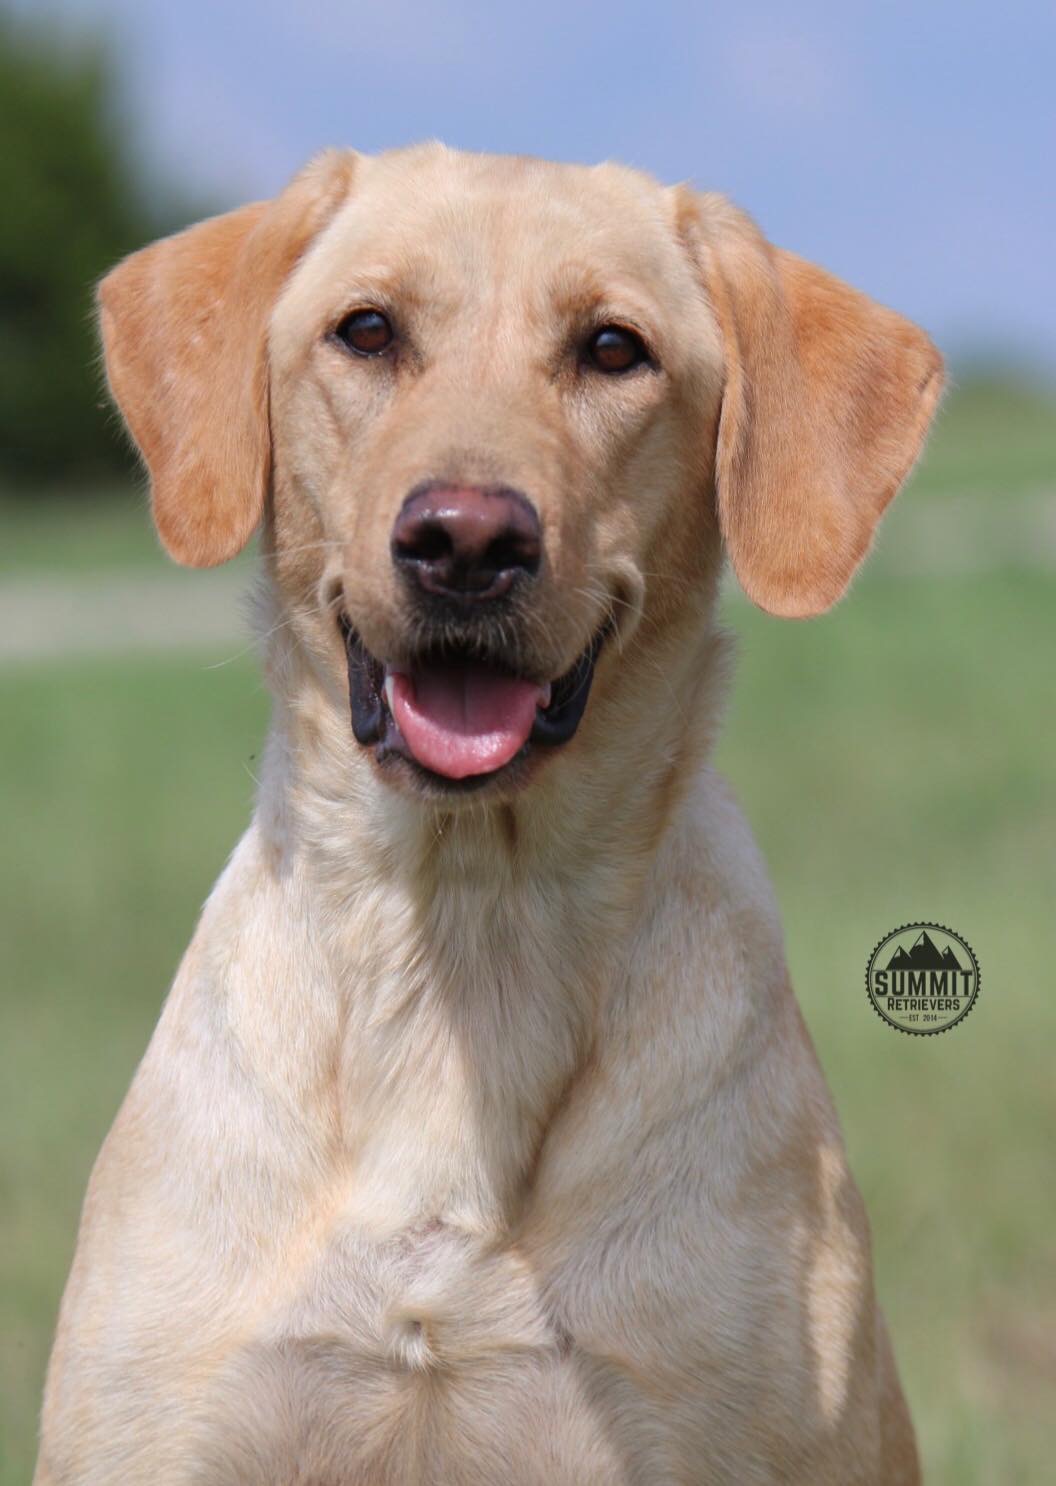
[463,721]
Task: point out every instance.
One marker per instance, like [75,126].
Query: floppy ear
[826,402]
[184,327]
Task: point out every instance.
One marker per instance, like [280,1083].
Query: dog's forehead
[513,196]
[432,219]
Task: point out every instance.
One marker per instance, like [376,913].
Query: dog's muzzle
[459,718]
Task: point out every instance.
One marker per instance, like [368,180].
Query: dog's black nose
[469,542]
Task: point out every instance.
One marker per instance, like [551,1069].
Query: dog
[480,1138]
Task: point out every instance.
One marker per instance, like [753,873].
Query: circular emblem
[922,979]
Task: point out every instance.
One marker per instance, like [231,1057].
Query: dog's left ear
[826,401]
[184,324]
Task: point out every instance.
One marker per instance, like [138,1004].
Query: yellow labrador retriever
[480,1140]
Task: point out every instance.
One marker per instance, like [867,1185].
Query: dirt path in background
[115,614]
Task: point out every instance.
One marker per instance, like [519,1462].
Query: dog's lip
[559,705]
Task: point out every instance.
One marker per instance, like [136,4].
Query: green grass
[133,781]
[896,761]
[990,438]
[90,532]
[83,532]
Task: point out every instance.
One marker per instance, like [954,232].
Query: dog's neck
[472,950]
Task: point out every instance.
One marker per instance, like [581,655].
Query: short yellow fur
[484,1142]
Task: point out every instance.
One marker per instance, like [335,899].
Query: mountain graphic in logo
[924,955]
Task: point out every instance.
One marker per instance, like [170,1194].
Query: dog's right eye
[614,349]
[366,332]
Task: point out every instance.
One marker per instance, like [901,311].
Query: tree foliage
[72,206]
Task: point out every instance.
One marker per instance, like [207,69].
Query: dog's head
[498,416]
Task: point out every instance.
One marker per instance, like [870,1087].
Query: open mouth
[457,718]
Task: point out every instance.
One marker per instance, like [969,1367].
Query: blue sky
[907,146]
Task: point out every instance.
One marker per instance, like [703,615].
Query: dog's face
[490,384]
[498,405]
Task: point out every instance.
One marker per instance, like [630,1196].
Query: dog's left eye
[614,349]
[367,332]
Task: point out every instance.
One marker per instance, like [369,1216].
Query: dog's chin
[456,724]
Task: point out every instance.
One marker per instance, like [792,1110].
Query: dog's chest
[432,1357]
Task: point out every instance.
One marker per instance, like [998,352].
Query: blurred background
[896,758]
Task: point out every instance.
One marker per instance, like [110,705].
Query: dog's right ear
[184,327]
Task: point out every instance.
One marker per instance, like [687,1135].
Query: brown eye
[612,349]
[367,332]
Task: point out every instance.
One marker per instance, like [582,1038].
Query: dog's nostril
[467,541]
[426,541]
[511,551]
